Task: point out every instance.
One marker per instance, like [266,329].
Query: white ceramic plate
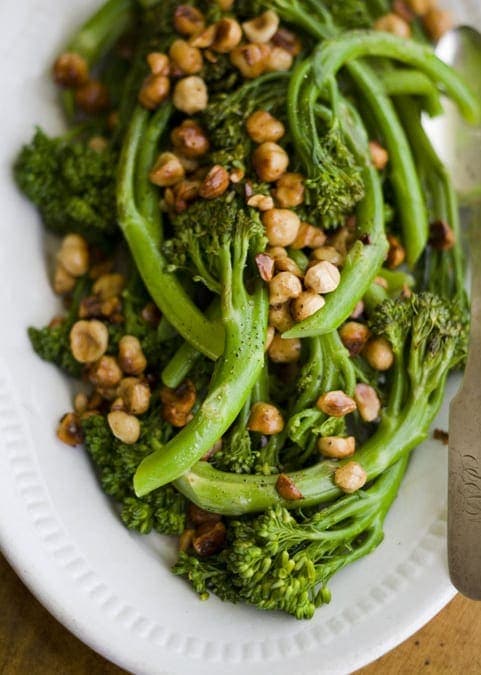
[114,589]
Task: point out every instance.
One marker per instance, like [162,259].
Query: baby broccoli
[72,185]
[115,462]
[278,561]
[429,339]
[228,243]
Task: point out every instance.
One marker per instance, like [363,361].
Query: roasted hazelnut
[69,430]
[92,97]
[379,354]
[289,191]
[109,285]
[350,477]
[396,253]
[251,59]
[328,253]
[278,60]
[210,538]
[368,403]
[337,447]
[270,161]
[131,357]
[190,139]
[135,394]
[284,287]
[392,23]
[167,170]
[281,225]
[379,155]
[186,57]
[125,427]
[159,63]
[190,95]
[306,305]
[284,351]
[63,282]
[88,340]
[262,127]
[204,38]
[262,28]
[309,236]
[228,34]
[441,236]
[154,91]
[437,22]
[287,489]
[265,419]
[105,372]
[188,20]
[323,277]
[70,70]
[354,336]
[261,202]
[287,40]
[215,183]
[280,317]
[336,404]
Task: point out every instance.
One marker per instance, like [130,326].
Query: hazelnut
[88,340]
[125,427]
[70,70]
[215,183]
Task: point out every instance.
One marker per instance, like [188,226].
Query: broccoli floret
[162,511]
[206,576]
[237,454]
[52,343]
[72,185]
[116,462]
[334,185]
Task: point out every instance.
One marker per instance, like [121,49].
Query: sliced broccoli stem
[140,221]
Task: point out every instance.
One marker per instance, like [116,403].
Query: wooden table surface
[31,641]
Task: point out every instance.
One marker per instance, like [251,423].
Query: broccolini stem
[186,356]
[449,280]
[412,83]
[409,197]
[245,322]
[102,30]
[363,260]
[358,44]
[140,221]
[233,494]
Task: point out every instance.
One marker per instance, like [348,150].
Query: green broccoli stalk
[115,462]
[101,30]
[72,185]
[141,222]
[429,339]
[276,561]
[52,343]
[231,236]
[443,272]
